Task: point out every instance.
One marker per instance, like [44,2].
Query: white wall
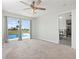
[34,28]
[74,28]
[47,27]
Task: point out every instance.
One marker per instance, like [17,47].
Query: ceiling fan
[34,5]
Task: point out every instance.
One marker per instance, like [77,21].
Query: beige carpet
[37,49]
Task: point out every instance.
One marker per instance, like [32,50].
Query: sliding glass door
[18,29]
[12,28]
[25,29]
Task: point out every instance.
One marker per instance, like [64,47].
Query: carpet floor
[36,49]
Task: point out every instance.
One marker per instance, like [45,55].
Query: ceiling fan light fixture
[34,5]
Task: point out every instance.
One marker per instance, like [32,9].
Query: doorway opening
[18,29]
[65,34]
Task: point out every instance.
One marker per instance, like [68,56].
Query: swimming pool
[13,36]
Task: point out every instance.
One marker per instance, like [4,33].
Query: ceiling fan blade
[33,3]
[38,2]
[40,8]
[25,3]
[27,8]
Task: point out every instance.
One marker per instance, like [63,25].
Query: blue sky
[13,22]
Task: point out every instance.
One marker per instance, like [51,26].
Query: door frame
[71,23]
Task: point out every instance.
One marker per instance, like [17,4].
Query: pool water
[13,36]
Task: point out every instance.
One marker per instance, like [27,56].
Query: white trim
[68,11]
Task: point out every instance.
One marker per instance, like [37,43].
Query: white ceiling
[15,6]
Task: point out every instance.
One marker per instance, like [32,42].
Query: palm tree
[17,26]
[17,30]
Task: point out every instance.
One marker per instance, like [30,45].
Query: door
[65,29]
[25,29]
[12,28]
